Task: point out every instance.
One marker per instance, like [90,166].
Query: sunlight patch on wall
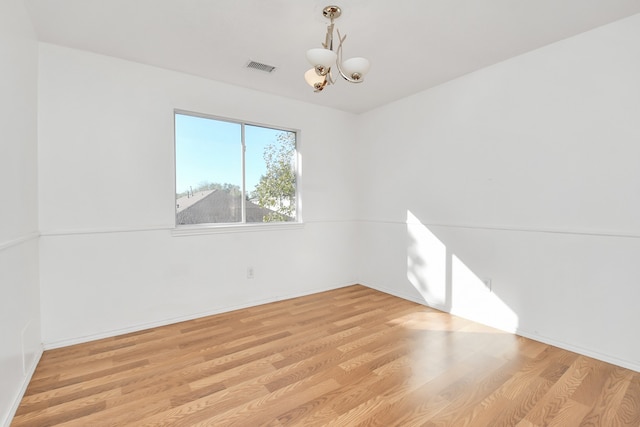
[426,263]
[445,282]
[473,300]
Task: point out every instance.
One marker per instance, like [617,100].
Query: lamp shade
[356,68]
[313,79]
[324,57]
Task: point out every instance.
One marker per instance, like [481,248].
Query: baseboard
[27,379]
[396,293]
[164,322]
[627,364]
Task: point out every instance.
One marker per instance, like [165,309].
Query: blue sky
[210,150]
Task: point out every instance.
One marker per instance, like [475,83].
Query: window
[233,173]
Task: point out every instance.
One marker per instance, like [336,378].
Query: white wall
[109,262]
[526,173]
[19,300]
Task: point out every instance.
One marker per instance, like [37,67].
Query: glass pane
[208,170]
[270,166]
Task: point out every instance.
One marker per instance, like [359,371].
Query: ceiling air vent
[261,67]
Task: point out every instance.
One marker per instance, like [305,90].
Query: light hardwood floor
[347,357]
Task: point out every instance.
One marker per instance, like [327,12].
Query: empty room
[289,213]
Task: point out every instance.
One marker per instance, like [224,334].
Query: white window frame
[208,228]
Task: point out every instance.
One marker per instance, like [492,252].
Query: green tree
[276,190]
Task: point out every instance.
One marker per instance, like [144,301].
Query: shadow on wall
[446,283]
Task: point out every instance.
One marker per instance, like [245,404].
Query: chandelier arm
[330,79]
[339,60]
[328,39]
[319,86]
[328,44]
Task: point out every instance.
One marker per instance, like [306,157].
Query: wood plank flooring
[347,357]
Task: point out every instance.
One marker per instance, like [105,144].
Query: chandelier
[322,59]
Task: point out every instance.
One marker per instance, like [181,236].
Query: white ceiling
[412,44]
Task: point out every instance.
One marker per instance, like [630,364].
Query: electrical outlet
[249,272]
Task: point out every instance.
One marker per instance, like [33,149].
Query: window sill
[199,229]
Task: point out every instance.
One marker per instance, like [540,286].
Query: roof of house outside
[217,206]
[184,202]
